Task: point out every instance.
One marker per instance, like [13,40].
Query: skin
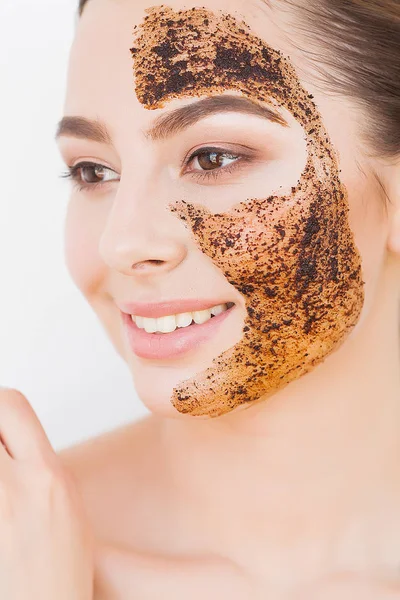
[293,256]
[219,487]
[46,545]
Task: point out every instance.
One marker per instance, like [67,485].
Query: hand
[46,544]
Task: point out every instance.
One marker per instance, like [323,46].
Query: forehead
[100,75]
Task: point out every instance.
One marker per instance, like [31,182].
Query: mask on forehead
[292,257]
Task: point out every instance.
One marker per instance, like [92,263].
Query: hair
[82,6]
[355,47]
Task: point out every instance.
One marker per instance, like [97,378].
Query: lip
[163,309]
[164,346]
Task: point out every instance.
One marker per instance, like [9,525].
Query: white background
[52,347]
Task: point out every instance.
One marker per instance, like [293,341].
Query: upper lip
[163,309]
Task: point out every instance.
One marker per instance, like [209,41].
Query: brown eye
[92,174]
[211,160]
[89,176]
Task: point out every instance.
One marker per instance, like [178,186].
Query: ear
[394,195]
[394,233]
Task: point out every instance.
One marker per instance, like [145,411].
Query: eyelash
[73,172]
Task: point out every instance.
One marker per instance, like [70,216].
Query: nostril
[147,263]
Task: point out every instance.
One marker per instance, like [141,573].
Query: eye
[88,175]
[213,162]
[209,160]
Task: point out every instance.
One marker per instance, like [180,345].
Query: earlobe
[394,233]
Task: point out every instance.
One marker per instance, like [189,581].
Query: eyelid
[90,163]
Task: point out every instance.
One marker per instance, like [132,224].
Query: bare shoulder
[109,470]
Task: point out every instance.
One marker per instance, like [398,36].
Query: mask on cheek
[292,257]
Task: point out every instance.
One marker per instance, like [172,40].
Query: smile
[179,333]
[170,323]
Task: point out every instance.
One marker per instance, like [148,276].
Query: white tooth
[150,325]
[139,322]
[184,319]
[201,316]
[166,324]
[217,310]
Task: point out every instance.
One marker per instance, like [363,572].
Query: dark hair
[81,6]
[355,47]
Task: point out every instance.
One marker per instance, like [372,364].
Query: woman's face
[225,179]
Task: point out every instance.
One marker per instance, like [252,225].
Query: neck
[294,470]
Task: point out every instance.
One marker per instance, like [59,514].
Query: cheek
[252,246]
[369,223]
[81,250]
[367,218]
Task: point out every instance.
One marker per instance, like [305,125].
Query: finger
[20,429]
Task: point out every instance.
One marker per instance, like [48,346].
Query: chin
[156,380]
[155,384]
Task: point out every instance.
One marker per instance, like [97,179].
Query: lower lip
[171,345]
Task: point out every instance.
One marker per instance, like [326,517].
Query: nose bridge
[140,234]
[137,193]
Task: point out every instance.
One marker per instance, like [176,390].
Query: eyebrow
[182,118]
[173,122]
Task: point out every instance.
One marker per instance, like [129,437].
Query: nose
[141,236]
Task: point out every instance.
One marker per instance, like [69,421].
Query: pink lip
[163,309]
[170,345]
